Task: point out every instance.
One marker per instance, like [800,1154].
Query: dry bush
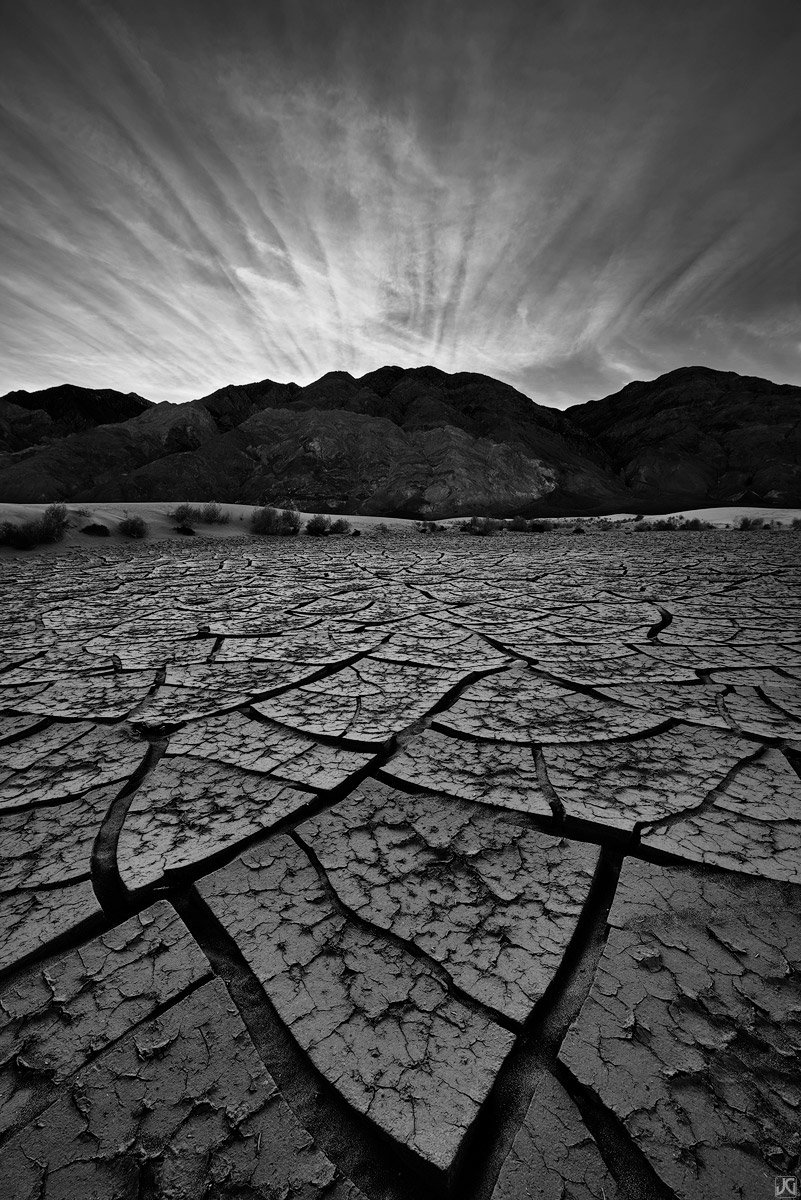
[133,527]
[270,522]
[319,525]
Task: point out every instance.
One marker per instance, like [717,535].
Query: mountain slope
[30,418]
[420,442]
[697,436]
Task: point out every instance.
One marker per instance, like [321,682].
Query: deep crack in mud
[454,870]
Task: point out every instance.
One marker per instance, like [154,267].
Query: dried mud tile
[696,702]
[367,702]
[487,772]
[684,631]
[20,698]
[30,920]
[29,751]
[149,652]
[60,663]
[109,697]
[746,676]
[187,811]
[182,1107]
[754,715]
[691,1032]
[189,692]
[699,657]
[50,845]
[624,783]
[265,747]
[14,726]
[754,825]
[373,1019]
[54,1018]
[786,696]
[464,653]
[321,645]
[600,667]
[553,1156]
[715,838]
[518,705]
[493,902]
[54,766]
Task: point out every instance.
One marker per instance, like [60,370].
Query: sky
[563,194]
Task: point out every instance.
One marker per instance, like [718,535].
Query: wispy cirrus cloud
[564,195]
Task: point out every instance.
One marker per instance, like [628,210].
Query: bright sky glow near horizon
[565,194]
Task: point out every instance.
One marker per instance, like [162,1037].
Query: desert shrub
[213,514]
[290,522]
[796,523]
[518,525]
[209,513]
[50,527]
[357,533]
[96,530]
[539,526]
[186,530]
[319,525]
[266,521]
[271,522]
[750,523]
[579,529]
[483,526]
[640,517]
[133,527]
[186,515]
[643,527]
[21,537]
[53,523]
[340,526]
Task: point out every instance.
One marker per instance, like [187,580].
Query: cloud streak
[564,195]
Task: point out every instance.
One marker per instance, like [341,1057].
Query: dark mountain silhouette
[421,442]
[31,418]
[698,436]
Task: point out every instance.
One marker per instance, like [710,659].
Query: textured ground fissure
[708,801]
[28,1073]
[409,947]
[636,1178]
[376,1165]
[665,619]
[377,871]
[535,1053]
[113,897]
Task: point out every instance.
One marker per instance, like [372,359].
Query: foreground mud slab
[390,869]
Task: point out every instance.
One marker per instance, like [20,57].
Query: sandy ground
[161,525]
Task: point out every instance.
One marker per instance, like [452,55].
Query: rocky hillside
[698,436]
[420,442]
[31,418]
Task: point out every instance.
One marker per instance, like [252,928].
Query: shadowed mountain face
[697,435]
[419,442]
[31,418]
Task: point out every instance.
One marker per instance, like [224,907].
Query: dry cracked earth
[402,869]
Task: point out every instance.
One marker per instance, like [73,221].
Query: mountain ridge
[416,442]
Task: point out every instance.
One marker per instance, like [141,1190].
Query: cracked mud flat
[441,869]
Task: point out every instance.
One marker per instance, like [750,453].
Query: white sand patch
[720,517]
[157,515]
